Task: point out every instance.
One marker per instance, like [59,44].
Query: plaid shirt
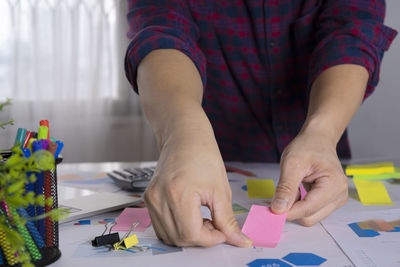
[259,58]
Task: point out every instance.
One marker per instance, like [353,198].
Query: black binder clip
[104,240]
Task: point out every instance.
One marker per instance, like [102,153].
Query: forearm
[170,90]
[335,97]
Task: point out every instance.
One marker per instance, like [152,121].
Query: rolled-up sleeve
[351,32]
[156,24]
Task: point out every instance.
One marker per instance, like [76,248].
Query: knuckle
[307,212]
[151,195]
[307,222]
[291,161]
[187,237]
[230,224]
[174,188]
[286,188]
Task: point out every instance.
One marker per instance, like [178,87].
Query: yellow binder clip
[127,241]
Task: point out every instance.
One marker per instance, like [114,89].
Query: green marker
[20,137]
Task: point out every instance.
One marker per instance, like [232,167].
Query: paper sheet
[375,168]
[131,215]
[260,188]
[264,227]
[366,247]
[372,192]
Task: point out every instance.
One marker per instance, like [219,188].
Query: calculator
[132,179]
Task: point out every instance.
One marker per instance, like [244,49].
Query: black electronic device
[132,179]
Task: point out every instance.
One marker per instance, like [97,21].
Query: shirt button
[272,43]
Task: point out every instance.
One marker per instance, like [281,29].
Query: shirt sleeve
[156,24]
[351,32]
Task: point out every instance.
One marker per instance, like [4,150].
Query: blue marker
[32,229]
[27,152]
[1,258]
[36,146]
[60,146]
[38,187]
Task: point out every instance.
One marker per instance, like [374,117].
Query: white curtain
[62,60]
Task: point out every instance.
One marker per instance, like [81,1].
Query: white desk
[77,251]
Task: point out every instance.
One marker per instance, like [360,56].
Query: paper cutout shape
[303,192]
[263,226]
[362,232]
[302,259]
[375,168]
[376,225]
[372,192]
[267,263]
[131,215]
[260,188]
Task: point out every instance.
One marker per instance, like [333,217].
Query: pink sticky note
[264,227]
[303,192]
[130,215]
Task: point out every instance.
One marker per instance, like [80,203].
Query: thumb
[287,188]
[225,221]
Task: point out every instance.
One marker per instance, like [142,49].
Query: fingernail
[247,240]
[279,204]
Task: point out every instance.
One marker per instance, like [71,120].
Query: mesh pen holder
[41,236]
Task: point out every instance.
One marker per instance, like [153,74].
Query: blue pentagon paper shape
[302,259]
[268,263]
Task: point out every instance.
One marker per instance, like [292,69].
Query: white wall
[375,130]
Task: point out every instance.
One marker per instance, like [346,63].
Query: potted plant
[18,244]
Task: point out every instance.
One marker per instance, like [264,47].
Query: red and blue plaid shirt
[259,58]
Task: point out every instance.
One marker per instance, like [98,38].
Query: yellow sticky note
[372,192]
[375,168]
[260,188]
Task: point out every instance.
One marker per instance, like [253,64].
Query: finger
[191,228]
[224,220]
[151,201]
[292,173]
[321,214]
[158,227]
[208,224]
[316,199]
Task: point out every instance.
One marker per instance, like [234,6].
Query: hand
[310,158]
[188,176]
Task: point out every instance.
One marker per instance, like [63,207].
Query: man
[251,80]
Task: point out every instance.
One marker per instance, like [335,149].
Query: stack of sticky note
[369,191]
[260,188]
[375,171]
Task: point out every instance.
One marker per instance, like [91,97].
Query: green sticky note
[260,188]
[237,209]
[375,168]
[372,192]
[381,176]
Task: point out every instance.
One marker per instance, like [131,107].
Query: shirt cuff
[153,38]
[360,46]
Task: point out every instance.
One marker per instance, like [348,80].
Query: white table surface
[76,249]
